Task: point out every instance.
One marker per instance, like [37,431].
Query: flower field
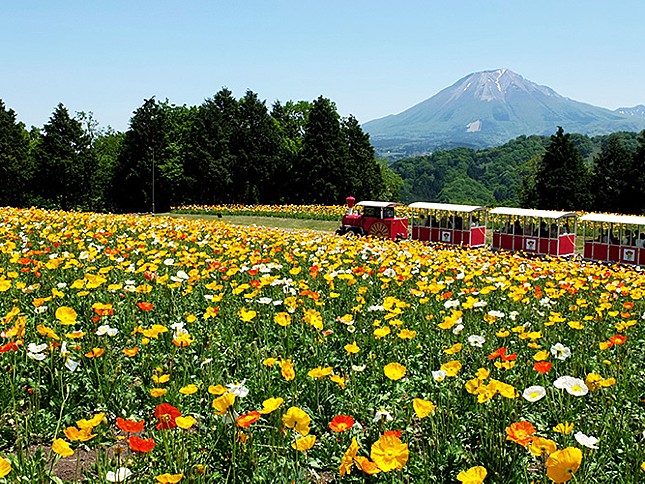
[316,212]
[142,349]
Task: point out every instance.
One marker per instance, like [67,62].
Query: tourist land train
[607,238]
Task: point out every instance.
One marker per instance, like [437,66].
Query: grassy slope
[284,223]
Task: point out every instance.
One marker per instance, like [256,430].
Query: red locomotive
[377,219]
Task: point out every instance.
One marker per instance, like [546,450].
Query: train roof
[450,207]
[613,218]
[525,212]
[371,203]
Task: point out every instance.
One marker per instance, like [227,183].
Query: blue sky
[372,58]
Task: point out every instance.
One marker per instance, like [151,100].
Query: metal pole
[153,181]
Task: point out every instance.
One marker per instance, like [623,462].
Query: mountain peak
[494,85]
[490,107]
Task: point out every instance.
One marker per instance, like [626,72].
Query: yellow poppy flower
[297,419]
[394,371]
[5,467]
[304,443]
[451,368]
[221,404]
[423,408]
[283,319]
[474,475]
[352,348]
[185,422]
[62,448]
[320,372]
[169,478]
[158,392]
[188,389]
[271,404]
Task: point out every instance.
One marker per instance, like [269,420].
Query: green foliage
[64,163]
[562,178]
[15,169]
[463,175]
[150,165]
[612,178]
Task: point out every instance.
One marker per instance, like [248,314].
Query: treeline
[225,150]
[561,172]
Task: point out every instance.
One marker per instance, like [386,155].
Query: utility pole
[153,181]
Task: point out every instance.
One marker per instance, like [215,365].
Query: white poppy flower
[560,352]
[238,389]
[121,474]
[106,329]
[586,440]
[34,348]
[476,340]
[439,375]
[382,415]
[534,393]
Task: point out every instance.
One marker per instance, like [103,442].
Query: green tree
[392,182]
[64,162]
[15,166]
[637,187]
[256,143]
[106,147]
[612,177]
[323,167]
[291,119]
[208,163]
[364,179]
[149,174]
[562,178]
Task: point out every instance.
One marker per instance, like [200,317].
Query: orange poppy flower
[130,351]
[138,444]
[617,339]
[145,306]
[542,366]
[341,423]
[129,426]
[520,432]
[248,418]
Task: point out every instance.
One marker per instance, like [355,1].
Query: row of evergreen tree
[614,181]
[224,151]
[235,151]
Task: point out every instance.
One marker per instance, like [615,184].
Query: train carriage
[542,232]
[449,223]
[614,238]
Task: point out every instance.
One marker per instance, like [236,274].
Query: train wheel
[379,229]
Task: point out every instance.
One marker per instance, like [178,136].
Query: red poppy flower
[497,353]
[510,357]
[166,414]
[395,433]
[138,444]
[145,306]
[341,423]
[617,339]
[129,426]
[10,346]
[248,418]
[542,366]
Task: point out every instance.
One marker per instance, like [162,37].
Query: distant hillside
[487,109]
[489,176]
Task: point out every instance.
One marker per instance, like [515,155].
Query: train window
[372,212]
[388,212]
